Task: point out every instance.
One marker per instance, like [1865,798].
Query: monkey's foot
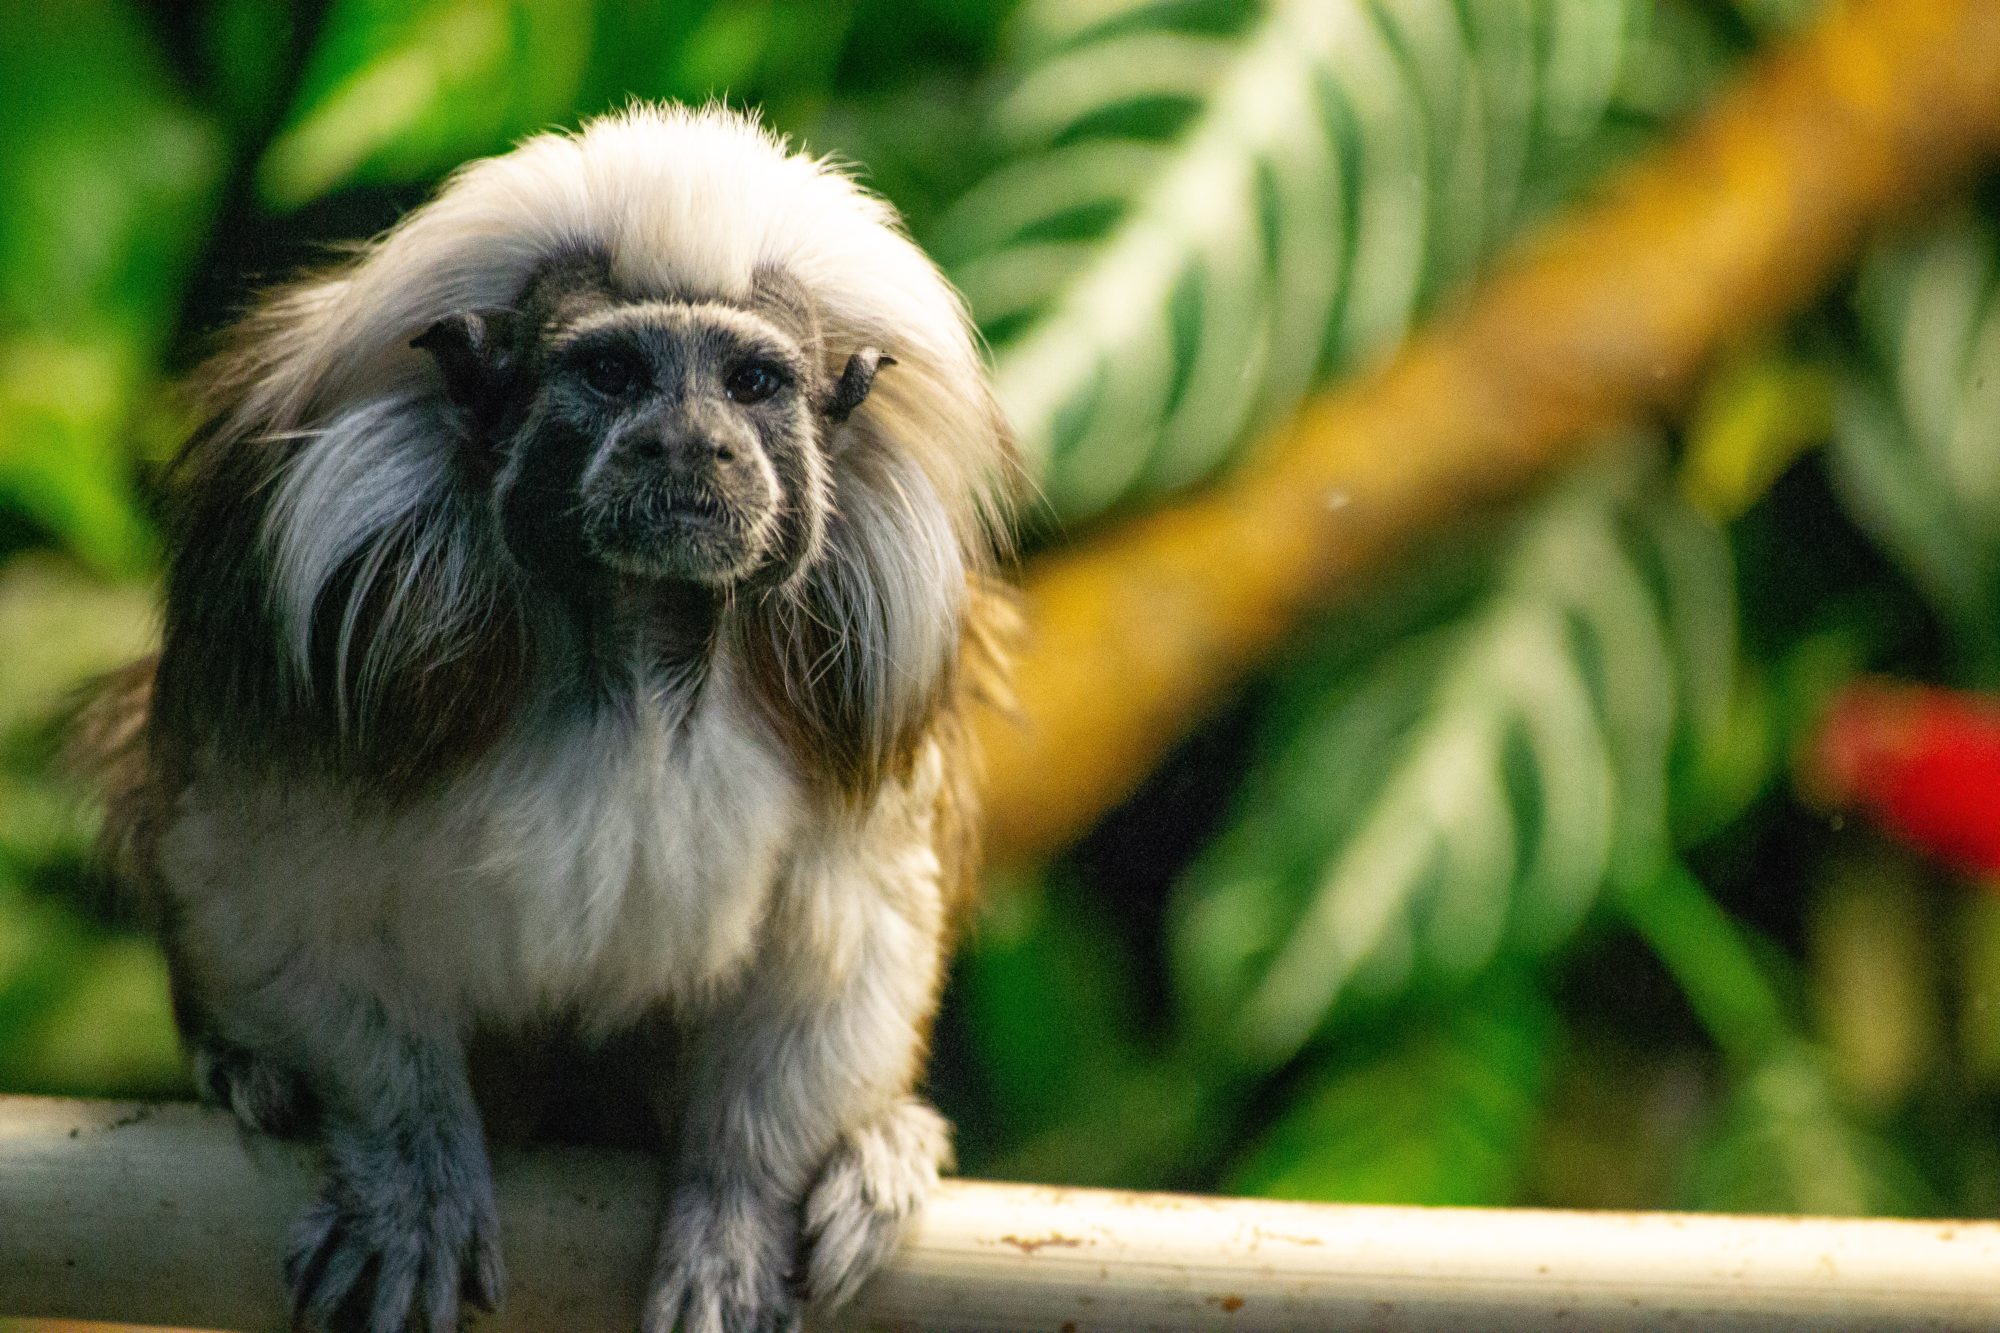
[392,1245]
[261,1094]
[724,1266]
[867,1194]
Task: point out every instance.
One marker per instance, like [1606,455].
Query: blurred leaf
[247,46]
[1048,998]
[106,178]
[109,1033]
[82,1013]
[1725,768]
[1783,1142]
[397,91]
[1678,58]
[1916,447]
[1977,958]
[64,461]
[1756,415]
[62,627]
[1440,1112]
[1874,973]
[1777,16]
[1468,792]
[1716,962]
[1203,208]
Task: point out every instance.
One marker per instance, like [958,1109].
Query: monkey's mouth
[695,507]
[674,532]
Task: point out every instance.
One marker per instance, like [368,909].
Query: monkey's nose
[693,449]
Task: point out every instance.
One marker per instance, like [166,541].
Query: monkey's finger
[440,1296]
[314,1237]
[485,1280]
[335,1281]
[667,1310]
[395,1290]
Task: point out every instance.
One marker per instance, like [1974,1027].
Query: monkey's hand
[405,1226]
[725,1263]
[732,1262]
[871,1187]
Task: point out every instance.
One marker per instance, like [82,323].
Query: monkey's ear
[474,353]
[854,383]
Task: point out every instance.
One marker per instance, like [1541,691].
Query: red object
[1922,762]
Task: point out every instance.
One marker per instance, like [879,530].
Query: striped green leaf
[1916,446]
[1466,793]
[1201,210]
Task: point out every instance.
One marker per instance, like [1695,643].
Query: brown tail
[108,749]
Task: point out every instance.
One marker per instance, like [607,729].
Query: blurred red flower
[1922,762]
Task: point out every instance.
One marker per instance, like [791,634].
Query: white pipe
[170,1215]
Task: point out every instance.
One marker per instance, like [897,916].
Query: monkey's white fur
[599,871]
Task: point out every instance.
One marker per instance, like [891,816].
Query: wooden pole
[1607,316]
[172,1215]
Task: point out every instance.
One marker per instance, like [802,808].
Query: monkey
[574,607]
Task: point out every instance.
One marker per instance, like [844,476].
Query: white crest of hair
[686,204]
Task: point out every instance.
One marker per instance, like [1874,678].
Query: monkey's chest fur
[591,868]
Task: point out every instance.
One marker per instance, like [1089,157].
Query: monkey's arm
[409,1190]
[797,1105]
[406,1221]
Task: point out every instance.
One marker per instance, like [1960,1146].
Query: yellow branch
[1601,319]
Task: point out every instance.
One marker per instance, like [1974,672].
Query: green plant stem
[1713,959]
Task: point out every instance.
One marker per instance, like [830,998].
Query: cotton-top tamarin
[572,607]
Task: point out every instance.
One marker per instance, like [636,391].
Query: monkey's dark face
[667,441]
[673,441]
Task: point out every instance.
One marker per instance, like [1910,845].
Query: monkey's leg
[798,1109]
[409,1192]
[405,1222]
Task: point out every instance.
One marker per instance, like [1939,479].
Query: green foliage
[398,91]
[1917,442]
[82,1008]
[1038,951]
[1441,1110]
[1467,793]
[1202,209]
[107,177]
[1784,1142]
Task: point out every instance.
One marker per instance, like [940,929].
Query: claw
[314,1240]
[486,1275]
[395,1289]
[440,1300]
[724,1266]
[394,1267]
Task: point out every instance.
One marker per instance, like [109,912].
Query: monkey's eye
[753,382]
[612,374]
